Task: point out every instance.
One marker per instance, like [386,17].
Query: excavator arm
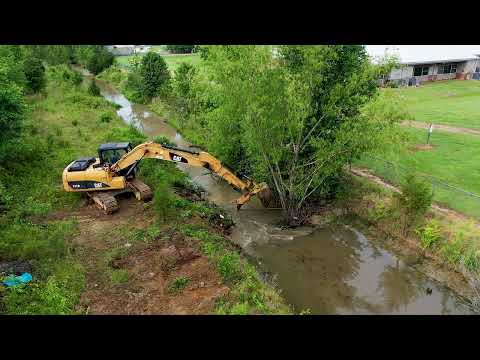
[192,158]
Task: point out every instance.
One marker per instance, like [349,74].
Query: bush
[430,234]
[93,88]
[35,74]
[414,200]
[106,117]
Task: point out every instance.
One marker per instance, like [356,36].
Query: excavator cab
[110,153]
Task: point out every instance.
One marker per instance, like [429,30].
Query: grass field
[172,60]
[454,102]
[454,159]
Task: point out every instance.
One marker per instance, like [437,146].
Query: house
[416,73]
[141,49]
[121,50]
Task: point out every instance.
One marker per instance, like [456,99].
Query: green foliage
[154,74]
[180,49]
[93,88]
[57,295]
[414,200]
[12,107]
[178,284]
[228,267]
[293,118]
[162,201]
[106,117]
[96,58]
[430,234]
[35,74]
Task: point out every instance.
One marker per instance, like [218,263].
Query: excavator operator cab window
[111,153]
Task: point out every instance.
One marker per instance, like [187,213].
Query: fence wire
[444,194]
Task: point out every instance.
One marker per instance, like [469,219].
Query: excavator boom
[193,158]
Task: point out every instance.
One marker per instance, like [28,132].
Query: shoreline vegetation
[443,240]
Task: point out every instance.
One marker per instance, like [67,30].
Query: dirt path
[446,128]
[128,274]
[451,214]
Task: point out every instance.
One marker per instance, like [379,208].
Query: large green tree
[293,116]
[154,74]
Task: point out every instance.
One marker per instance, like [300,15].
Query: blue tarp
[16,280]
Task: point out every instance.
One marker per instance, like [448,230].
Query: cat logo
[97,185]
[177,158]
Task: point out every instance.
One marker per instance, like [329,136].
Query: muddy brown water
[331,269]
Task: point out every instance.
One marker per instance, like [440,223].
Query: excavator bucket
[265,195]
[261,190]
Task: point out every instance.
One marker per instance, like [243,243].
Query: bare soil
[422,147]
[151,267]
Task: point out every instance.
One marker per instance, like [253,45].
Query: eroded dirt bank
[132,271]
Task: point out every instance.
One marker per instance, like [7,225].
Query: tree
[293,119]
[35,74]
[12,107]
[181,49]
[154,73]
[96,58]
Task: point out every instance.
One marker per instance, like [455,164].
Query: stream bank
[329,269]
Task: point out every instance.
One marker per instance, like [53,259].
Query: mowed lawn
[454,159]
[173,61]
[453,102]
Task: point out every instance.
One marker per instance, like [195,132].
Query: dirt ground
[446,128]
[151,267]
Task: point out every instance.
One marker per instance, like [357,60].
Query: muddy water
[333,269]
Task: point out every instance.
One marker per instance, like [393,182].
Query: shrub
[93,88]
[430,234]
[35,74]
[414,200]
[106,117]
[74,122]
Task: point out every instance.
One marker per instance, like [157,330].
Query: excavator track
[104,201]
[141,190]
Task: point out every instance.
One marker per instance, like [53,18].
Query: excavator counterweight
[114,172]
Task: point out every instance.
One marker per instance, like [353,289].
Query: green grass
[453,102]
[454,160]
[64,123]
[173,61]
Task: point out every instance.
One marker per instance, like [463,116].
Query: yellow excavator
[114,173]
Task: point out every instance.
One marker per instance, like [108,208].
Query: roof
[113,146]
[444,61]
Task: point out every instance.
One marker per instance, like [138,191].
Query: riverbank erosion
[336,265]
